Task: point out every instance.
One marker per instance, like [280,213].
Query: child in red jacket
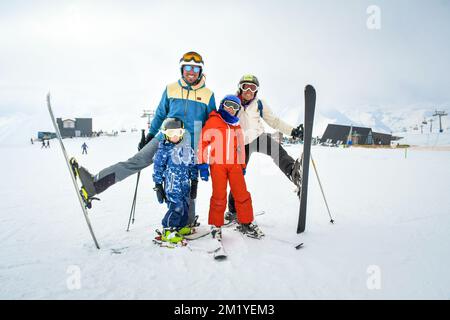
[223,134]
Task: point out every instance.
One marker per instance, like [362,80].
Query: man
[251,118]
[187,99]
[84,148]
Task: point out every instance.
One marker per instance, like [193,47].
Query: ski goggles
[248,86]
[231,104]
[174,132]
[188,68]
[192,56]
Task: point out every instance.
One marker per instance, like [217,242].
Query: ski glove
[193,193]
[297,133]
[244,171]
[160,194]
[145,140]
[204,172]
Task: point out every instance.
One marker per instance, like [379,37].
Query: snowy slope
[391,213]
[426,139]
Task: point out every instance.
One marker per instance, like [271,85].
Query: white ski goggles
[173,132]
[248,86]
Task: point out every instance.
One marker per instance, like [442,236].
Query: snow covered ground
[391,238]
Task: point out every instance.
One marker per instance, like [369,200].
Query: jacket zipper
[228,144]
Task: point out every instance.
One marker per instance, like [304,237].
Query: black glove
[160,194]
[194,184]
[297,133]
[145,140]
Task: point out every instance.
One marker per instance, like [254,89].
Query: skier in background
[84,147]
[43,144]
[173,170]
[31,141]
[48,144]
[251,117]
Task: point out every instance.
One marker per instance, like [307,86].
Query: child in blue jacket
[174,173]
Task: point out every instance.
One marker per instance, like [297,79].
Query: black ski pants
[267,145]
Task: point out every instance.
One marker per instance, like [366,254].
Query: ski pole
[321,189]
[133,206]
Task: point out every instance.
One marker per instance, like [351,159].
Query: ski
[220,253]
[217,251]
[170,245]
[198,233]
[72,175]
[230,223]
[310,105]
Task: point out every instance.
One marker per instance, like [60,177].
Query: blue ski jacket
[174,164]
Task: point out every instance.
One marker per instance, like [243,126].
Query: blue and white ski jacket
[191,104]
[174,164]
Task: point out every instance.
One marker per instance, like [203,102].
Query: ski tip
[220,257]
[309,88]
[299,246]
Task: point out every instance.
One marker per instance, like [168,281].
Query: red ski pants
[221,174]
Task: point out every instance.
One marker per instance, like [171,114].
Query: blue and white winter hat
[233,102]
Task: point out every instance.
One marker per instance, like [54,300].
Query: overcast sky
[111,59]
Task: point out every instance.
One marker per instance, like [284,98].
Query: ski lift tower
[149,114]
[440,114]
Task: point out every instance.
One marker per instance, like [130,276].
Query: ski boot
[216,233]
[169,237]
[184,231]
[250,230]
[296,175]
[87,190]
[194,223]
[230,217]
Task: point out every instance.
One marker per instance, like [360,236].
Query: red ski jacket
[225,140]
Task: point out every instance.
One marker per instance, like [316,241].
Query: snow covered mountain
[380,119]
[387,121]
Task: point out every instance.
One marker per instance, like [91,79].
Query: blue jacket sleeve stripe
[159,165]
[212,104]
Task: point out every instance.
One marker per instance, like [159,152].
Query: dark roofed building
[80,127]
[340,134]
[382,138]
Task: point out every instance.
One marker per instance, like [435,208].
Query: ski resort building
[336,134]
[80,127]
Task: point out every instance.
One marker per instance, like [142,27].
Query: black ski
[310,105]
[72,174]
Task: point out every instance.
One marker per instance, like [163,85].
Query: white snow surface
[390,240]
